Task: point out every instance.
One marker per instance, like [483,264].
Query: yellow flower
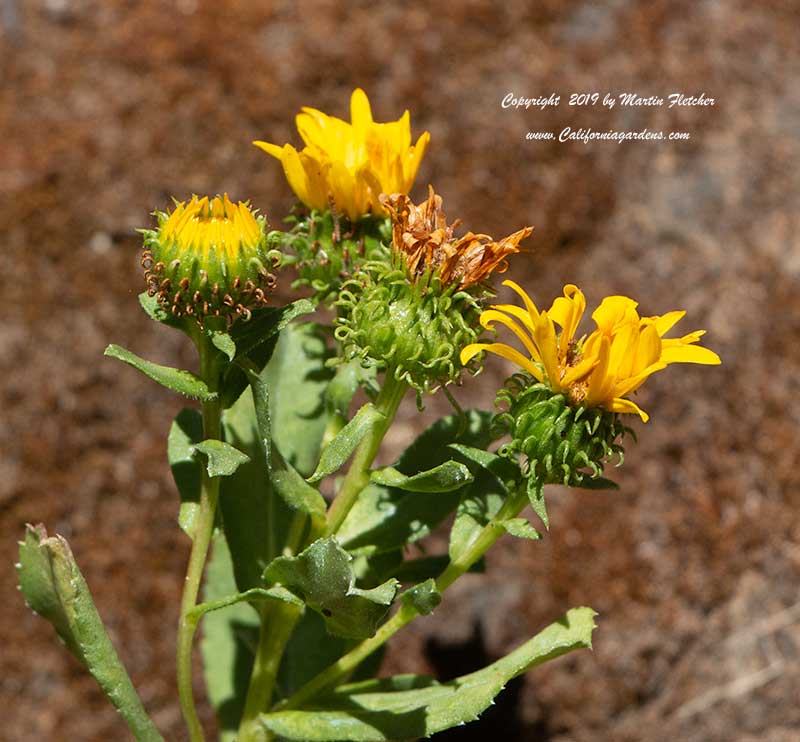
[350,164]
[420,232]
[599,370]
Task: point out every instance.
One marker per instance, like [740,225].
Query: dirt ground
[109,108]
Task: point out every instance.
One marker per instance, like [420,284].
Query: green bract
[415,329]
[326,251]
[561,444]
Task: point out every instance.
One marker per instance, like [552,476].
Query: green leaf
[156,312]
[423,597]
[323,577]
[228,643]
[480,502]
[409,707]
[286,481]
[223,342]
[521,528]
[256,341]
[295,491]
[186,431]
[535,489]
[254,595]
[256,520]
[345,442]
[222,458]
[184,382]
[54,588]
[266,323]
[446,477]
[297,378]
[384,518]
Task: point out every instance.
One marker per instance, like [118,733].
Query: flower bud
[561,443]
[209,258]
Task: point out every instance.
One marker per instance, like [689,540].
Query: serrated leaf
[521,528]
[446,477]
[184,382]
[323,577]
[535,490]
[409,707]
[186,431]
[222,458]
[344,444]
[423,597]
[228,643]
[383,518]
[54,588]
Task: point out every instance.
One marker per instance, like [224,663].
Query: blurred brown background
[109,108]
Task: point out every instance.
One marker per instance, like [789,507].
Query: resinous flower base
[561,443]
[416,328]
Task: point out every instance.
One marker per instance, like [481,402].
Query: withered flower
[421,233]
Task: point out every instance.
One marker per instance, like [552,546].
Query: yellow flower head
[350,164]
[209,258]
[421,233]
[599,370]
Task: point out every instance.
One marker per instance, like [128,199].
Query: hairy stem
[201,538]
[357,477]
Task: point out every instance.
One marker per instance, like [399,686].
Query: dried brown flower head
[422,234]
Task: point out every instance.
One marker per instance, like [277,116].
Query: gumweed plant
[305,557]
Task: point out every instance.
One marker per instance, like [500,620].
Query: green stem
[277,624]
[201,538]
[346,664]
[357,477]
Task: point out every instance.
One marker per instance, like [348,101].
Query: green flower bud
[327,251]
[209,258]
[562,443]
[413,328]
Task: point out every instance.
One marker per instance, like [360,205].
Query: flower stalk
[201,539]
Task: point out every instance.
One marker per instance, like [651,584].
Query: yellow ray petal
[491,315]
[666,322]
[544,335]
[529,305]
[505,351]
[270,149]
[625,405]
[690,354]
[613,310]
[360,111]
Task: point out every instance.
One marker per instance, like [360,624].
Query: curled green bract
[414,328]
[559,443]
